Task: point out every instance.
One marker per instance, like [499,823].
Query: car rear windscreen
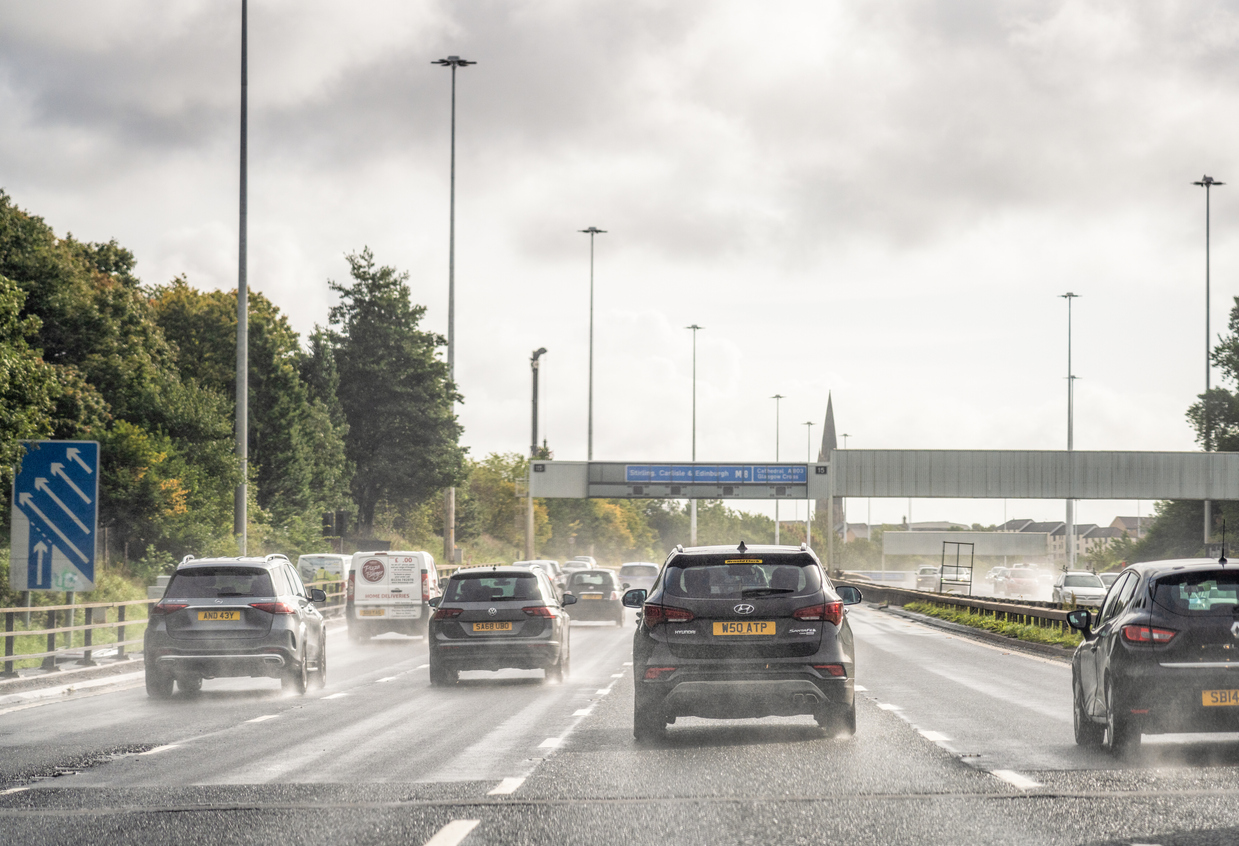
[639,570]
[219,583]
[479,588]
[1083,582]
[741,576]
[1208,592]
[591,578]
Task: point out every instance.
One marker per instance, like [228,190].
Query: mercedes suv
[743,632]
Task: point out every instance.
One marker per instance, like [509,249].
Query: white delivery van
[323,567]
[390,591]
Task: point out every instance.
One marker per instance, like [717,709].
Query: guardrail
[1045,614]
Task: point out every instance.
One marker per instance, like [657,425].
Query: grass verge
[1052,634]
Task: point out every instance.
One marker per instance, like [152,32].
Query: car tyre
[189,685]
[838,721]
[619,618]
[297,677]
[1088,733]
[158,683]
[441,676]
[320,676]
[649,724]
[1120,734]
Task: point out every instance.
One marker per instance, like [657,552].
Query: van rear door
[387,586]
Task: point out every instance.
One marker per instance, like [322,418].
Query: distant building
[1136,527]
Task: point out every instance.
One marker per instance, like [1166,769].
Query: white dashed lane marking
[261,719]
[164,748]
[453,833]
[336,696]
[1015,779]
[506,787]
[888,707]
[582,712]
[549,743]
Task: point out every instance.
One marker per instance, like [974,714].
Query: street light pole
[808,503]
[1070,535]
[240,518]
[449,510]
[777,400]
[1208,183]
[692,515]
[533,453]
[591,232]
[845,437]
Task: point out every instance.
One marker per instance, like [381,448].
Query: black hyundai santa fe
[742,632]
[1161,656]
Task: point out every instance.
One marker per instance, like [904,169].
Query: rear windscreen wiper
[750,592]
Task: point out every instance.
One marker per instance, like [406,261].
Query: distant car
[743,632]
[552,569]
[228,617]
[927,578]
[998,578]
[1078,587]
[1021,582]
[498,618]
[1160,656]
[323,567]
[598,593]
[1108,579]
[572,565]
[638,574]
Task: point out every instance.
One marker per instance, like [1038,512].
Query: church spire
[829,440]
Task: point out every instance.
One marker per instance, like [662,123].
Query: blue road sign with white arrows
[55,516]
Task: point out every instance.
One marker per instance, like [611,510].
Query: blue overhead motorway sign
[55,516]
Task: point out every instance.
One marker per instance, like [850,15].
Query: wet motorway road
[958,742]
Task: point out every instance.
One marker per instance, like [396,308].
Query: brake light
[538,611]
[274,607]
[425,586]
[652,615]
[831,669]
[352,586]
[168,608]
[1147,634]
[831,612]
[447,613]
[614,595]
[656,673]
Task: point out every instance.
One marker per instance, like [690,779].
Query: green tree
[403,436]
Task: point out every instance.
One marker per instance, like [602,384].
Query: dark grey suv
[235,617]
[739,632]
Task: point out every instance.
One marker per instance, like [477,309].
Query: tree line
[358,417]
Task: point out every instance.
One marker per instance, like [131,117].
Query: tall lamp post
[845,437]
[808,503]
[449,510]
[692,513]
[1071,379]
[533,453]
[778,398]
[239,517]
[591,232]
[1208,183]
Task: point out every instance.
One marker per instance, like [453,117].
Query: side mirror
[1080,620]
[434,601]
[318,595]
[634,598]
[849,594]
[626,585]
[569,599]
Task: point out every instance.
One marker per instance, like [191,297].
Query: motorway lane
[397,761]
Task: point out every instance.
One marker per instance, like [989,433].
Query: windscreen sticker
[742,561]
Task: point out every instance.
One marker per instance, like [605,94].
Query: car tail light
[614,595]
[447,613]
[168,608]
[652,615]
[274,607]
[656,673]
[352,586]
[831,669]
[831,612]
[538,611]
[425,586]
[1147,634]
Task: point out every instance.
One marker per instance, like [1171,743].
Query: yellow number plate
[492,627]
[591,596]
[371,612]
[745,627]
[1219,698]
[219,615]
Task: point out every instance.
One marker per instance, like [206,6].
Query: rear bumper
[786,695]
[1170,699]
[497,655]
[225,665]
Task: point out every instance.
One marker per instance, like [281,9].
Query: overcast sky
[882,201]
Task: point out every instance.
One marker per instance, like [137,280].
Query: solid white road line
[602,691]
[453,833]
[934,736]
[627,663]
[336,696]
[159,749]
[13,790]
[421,666]
[389,678]
[617,675]
[263,718]
[860,688]
[506,787]
[549,743]
[1013,778]
[886,707]
[581,712]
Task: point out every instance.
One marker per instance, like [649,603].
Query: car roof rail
[187,558]
[804,546]
[275,555]
[679,547]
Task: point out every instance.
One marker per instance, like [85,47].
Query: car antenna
[742,548]
[1222,559]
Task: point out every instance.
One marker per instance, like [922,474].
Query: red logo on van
[373,571]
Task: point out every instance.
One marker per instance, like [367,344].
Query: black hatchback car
[599,593]
[1161,656]
[743,632]
[495,618]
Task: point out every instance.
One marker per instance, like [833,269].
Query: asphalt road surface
[958,742]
